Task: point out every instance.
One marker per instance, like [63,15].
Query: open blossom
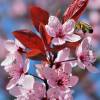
[13,47]
[37,91]
[22,91]
[60,80]
[63,55]
[86,56]
[61,33]
[17,73]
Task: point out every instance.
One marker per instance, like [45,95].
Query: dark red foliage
[83,5]
[38,16]
[36,54]
[29,39]
[75,10]
[46,38]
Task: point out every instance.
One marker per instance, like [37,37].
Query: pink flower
[39,92]
[25,89]
[63,55]
[61,33]
[13,48]
[60,80]
[17,73]
[86,56]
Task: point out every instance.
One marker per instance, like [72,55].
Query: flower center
[57,65]
[60,82]
[44,98]
[85,58]
[60,34]
[20,50]
[21,71]
[82,58]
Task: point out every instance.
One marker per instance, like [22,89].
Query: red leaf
[75,10]
[70,10]
[46,38]
[29,39]
[39,16]
[36,54]
[80,11]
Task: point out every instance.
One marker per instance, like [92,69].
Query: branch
[66,61]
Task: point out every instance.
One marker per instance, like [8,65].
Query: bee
[84,27]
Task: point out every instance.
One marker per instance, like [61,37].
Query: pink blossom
[36,92]
[63,55]
[60,80]
[25,89]
[61,33]
[12,47]
[39,91]
[86,56]
[17,73]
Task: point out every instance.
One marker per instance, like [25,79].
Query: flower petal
[63,55]
[85,44]
[39,89]
[54,23]
[50,31]
[26,67]
[67,68]
[81,65]
[10,46]
[50,73]
[27,81]
[92,69]
[53,93]
[69,26]
[72,38]
[58,41]
[15,91]
[12,83]
[79,50]
[73,80]
[9,60]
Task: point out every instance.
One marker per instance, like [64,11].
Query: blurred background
[14,16]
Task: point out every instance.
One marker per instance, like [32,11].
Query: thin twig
[66,60]
[44,80]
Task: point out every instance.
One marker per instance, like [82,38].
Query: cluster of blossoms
[58,49]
